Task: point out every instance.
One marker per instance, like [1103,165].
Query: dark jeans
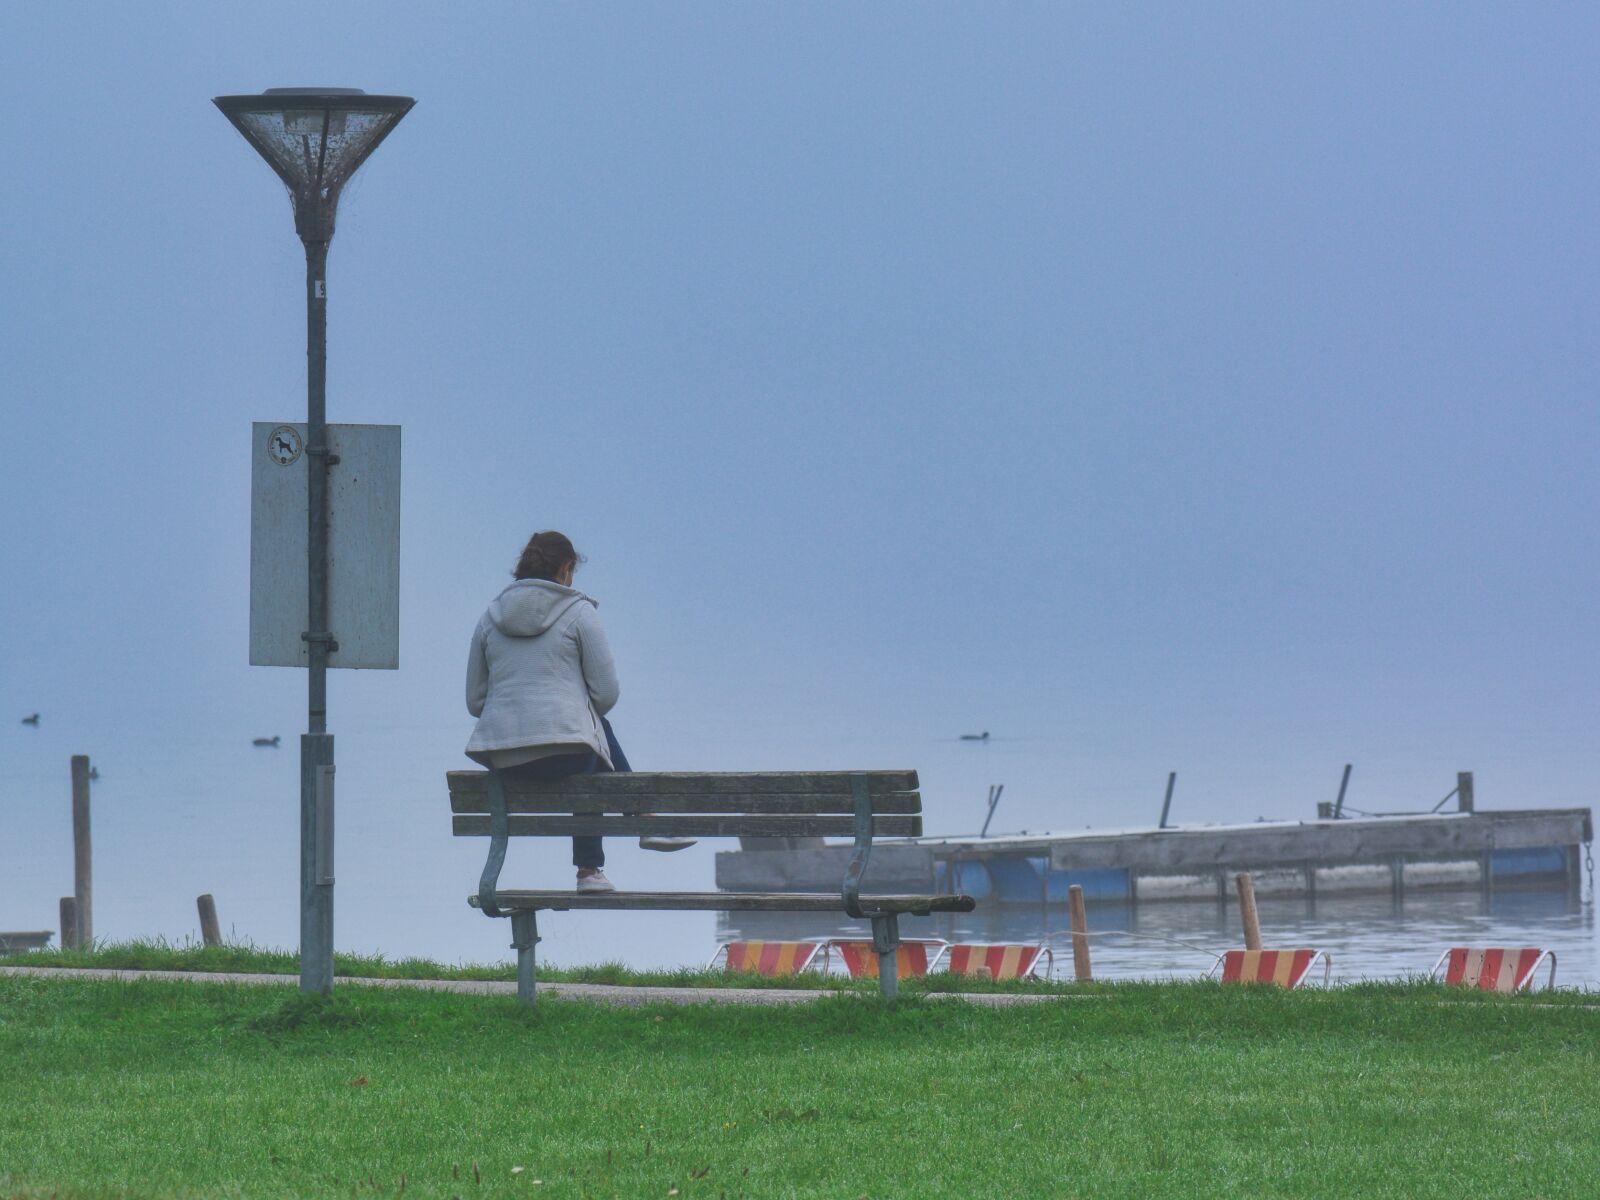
[586,851]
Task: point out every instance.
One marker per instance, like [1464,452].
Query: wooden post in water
[1247,910]
[82,855]
[210,934]
[1080,934]
[69,923]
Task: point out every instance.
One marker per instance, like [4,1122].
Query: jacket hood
[530,606]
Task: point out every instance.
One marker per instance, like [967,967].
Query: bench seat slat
[699,783]
[725,901]
[518,801]
[523,825]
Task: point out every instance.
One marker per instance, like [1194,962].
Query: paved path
[603,993]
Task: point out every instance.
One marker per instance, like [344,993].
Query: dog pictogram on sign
[284,445]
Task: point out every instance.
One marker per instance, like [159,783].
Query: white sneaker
[665,844]
[595,883]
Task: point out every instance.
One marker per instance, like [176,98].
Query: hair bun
[545,556]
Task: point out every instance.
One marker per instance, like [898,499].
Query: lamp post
[315,139]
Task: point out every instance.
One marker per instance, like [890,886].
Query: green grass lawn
[159,1088]
[159,955]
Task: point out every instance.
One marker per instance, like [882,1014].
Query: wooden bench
[782,804]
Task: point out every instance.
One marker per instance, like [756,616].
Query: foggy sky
[1200,389]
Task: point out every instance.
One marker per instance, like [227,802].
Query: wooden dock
[31,939]
[1462,851]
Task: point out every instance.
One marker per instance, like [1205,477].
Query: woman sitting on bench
[540,680]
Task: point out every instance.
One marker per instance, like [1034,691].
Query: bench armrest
[851,891]
[488,903]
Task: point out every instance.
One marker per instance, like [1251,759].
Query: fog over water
[1204,390]
[403,884]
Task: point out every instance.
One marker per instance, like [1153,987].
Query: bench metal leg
[524,937]
[886,941]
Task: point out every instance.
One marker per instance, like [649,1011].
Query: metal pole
[994,800]
[1464,798]
[524,940]
[1166,805]
[1338,805]
[316,747]
[82,855]
[317,479]
[886,941]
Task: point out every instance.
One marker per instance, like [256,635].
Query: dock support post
[82,854]
[210,932]
[524,937]
[1464,799]
[1397,881]
[1081,970]
[69,923]
[1247,911]
[1311,887]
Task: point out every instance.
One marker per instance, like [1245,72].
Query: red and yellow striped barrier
[1285,968]
[1493,968]
[912,959]
[996,960]
[768,958]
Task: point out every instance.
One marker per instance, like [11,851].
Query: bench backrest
[689,804]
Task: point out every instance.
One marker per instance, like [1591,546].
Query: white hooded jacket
[539,676]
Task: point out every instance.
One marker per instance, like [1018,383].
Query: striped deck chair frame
[861,960]
[771,958]
[1494,968]
[1003,960]
[1286,968]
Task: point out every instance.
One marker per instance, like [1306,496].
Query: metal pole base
[524,937]
[316,866]
[886,941]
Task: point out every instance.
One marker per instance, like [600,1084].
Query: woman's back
[540,679]
[540,673]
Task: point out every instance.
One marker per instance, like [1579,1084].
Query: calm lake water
[1367,937]
[166,830]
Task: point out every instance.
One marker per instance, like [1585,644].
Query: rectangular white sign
[363,545]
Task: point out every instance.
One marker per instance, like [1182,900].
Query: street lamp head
[315,139]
